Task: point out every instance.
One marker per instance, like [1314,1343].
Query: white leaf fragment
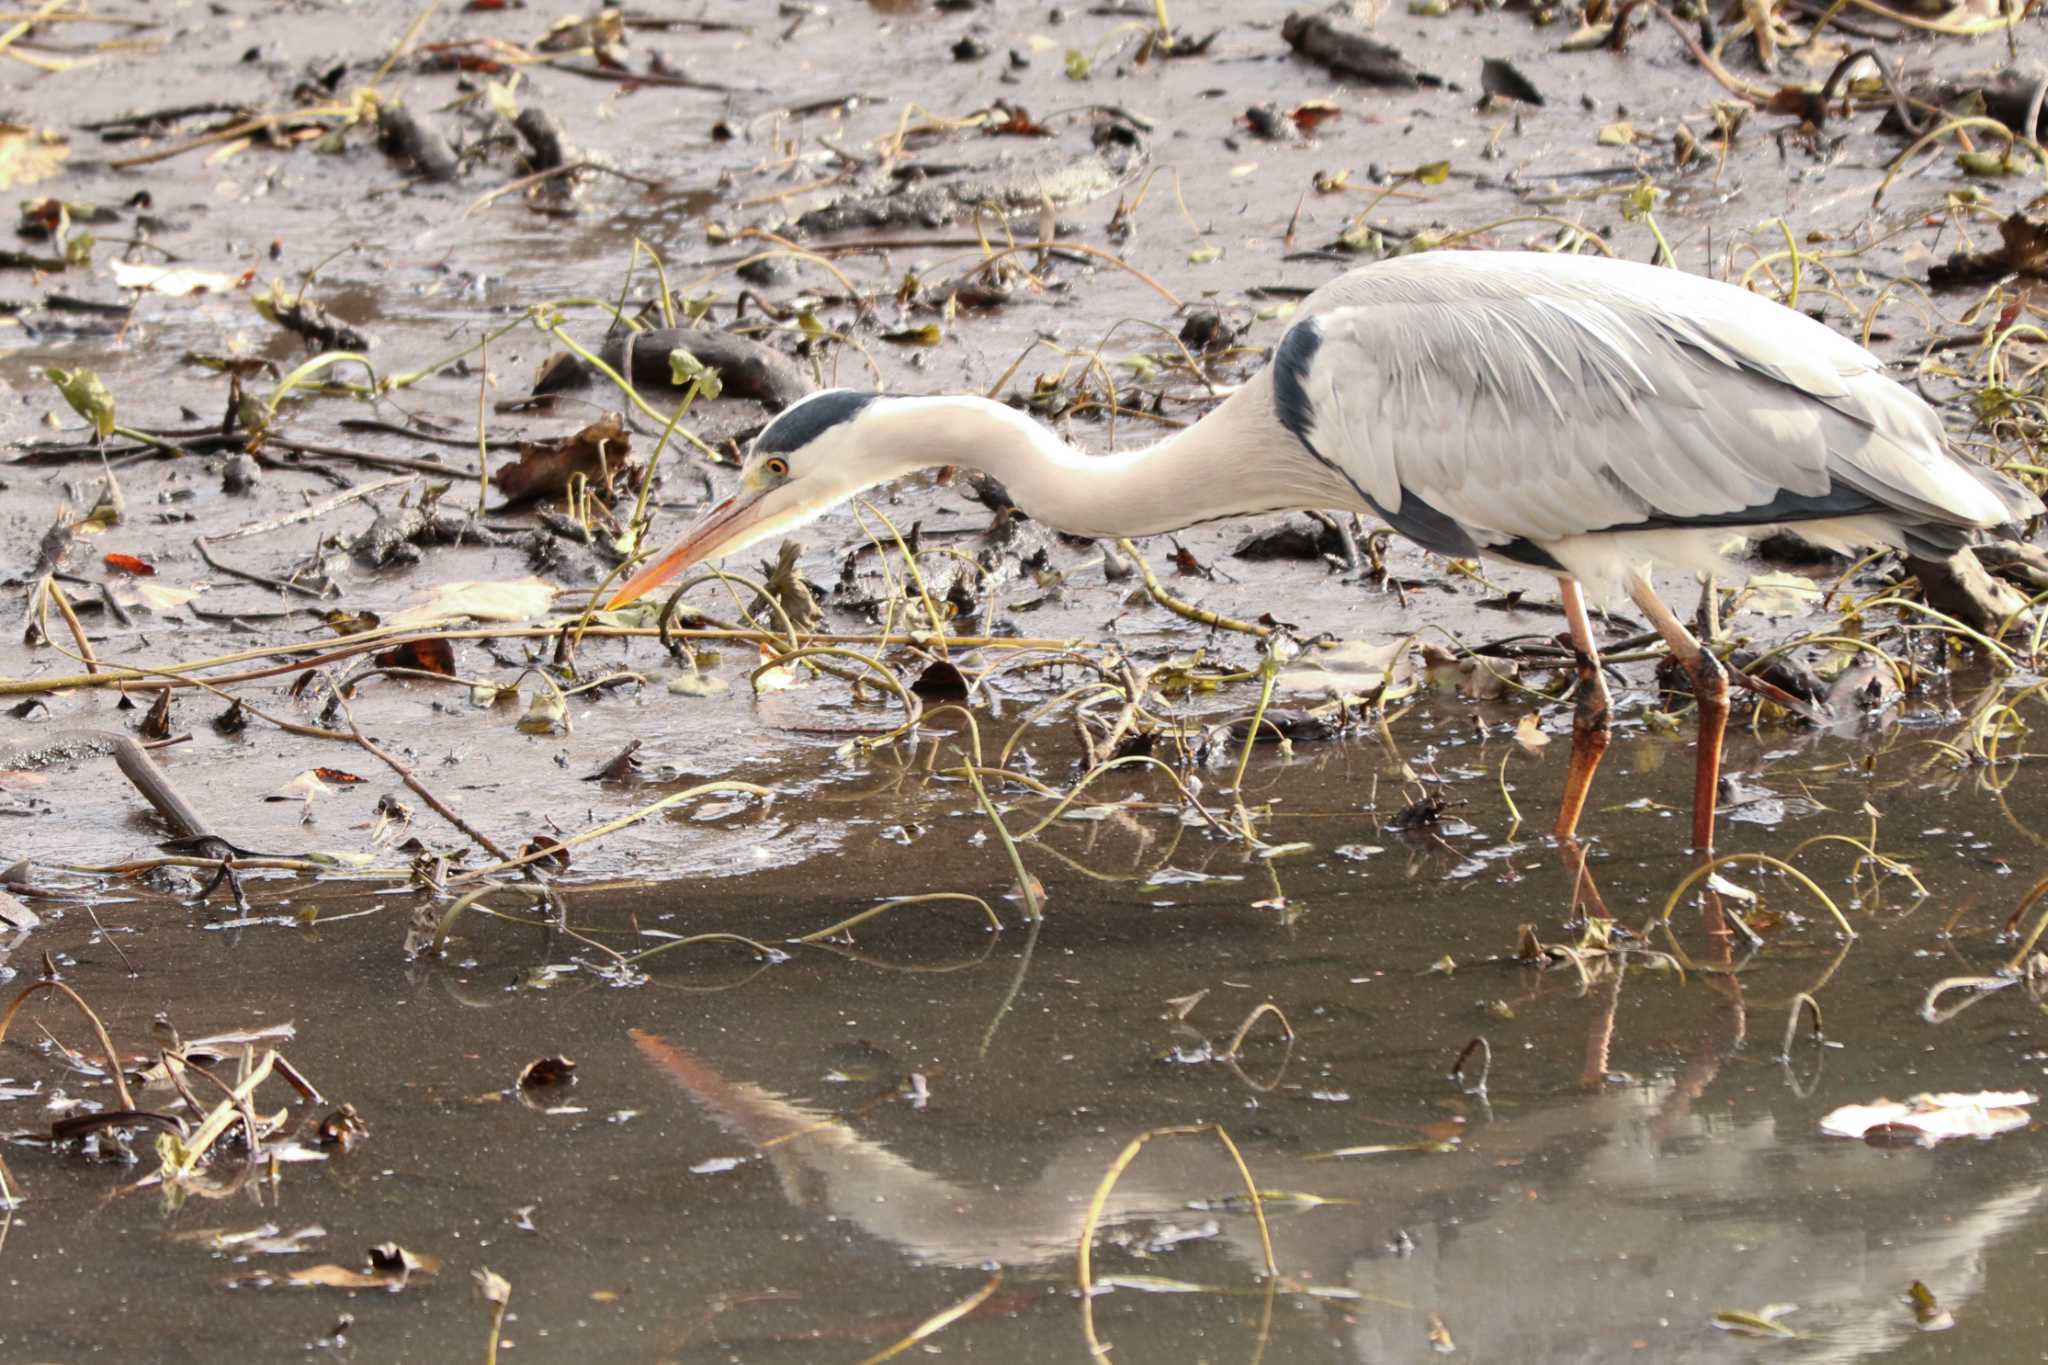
[1986,1113]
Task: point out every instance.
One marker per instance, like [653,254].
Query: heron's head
[815,455]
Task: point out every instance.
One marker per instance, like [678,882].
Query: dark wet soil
[807,1153]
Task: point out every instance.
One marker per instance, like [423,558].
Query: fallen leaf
[265,1240]
[1928,1119]
[343,1129]
[1313,114]
[428,656]
[778,679]
[306,787]
[1762,1323]
[545,848]
[1348,669]
[699,685]
[27,156]
[341,1277]
[513,601]
[173,281]
[1779,594]
[156,597]
[599,454]
[546,714]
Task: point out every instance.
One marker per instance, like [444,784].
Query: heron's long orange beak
[728,525]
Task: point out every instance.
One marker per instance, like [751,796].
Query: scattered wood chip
[1347,51]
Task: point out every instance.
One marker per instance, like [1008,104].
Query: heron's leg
[1347,531]
[1590,720]
[1710,688]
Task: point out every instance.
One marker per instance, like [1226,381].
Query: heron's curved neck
[1236,460]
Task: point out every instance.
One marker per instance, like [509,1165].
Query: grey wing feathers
[1533,398]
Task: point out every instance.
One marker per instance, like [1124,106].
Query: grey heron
[1583,416]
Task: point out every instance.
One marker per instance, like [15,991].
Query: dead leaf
[156,597]
[546,714]
[306,787]
[172,281]
[1350,669]
[157,724]
[341,1277]
[1762,1323]
[941,681]
[1018,124]
[428,656]
[547,849]
[343,1129]
[598,454]
[513,601]
[1779,594]
[1313,114]
[1928,1119]
[27,156]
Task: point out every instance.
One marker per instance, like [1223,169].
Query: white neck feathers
[1237,460]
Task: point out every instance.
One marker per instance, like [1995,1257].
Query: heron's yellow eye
[777,468]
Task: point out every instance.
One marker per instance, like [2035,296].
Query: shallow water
[804,1152]
[738,1171]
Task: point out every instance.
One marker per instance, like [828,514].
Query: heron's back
[1562,410]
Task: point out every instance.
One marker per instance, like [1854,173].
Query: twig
[405,41]
[227,134]
[48,8]
[248,576]
[85,654]
[1181,607]
[406,775]
[528,181]
[309,512]
[364,457]
[315,655]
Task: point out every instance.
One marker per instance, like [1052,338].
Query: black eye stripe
[809,419]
